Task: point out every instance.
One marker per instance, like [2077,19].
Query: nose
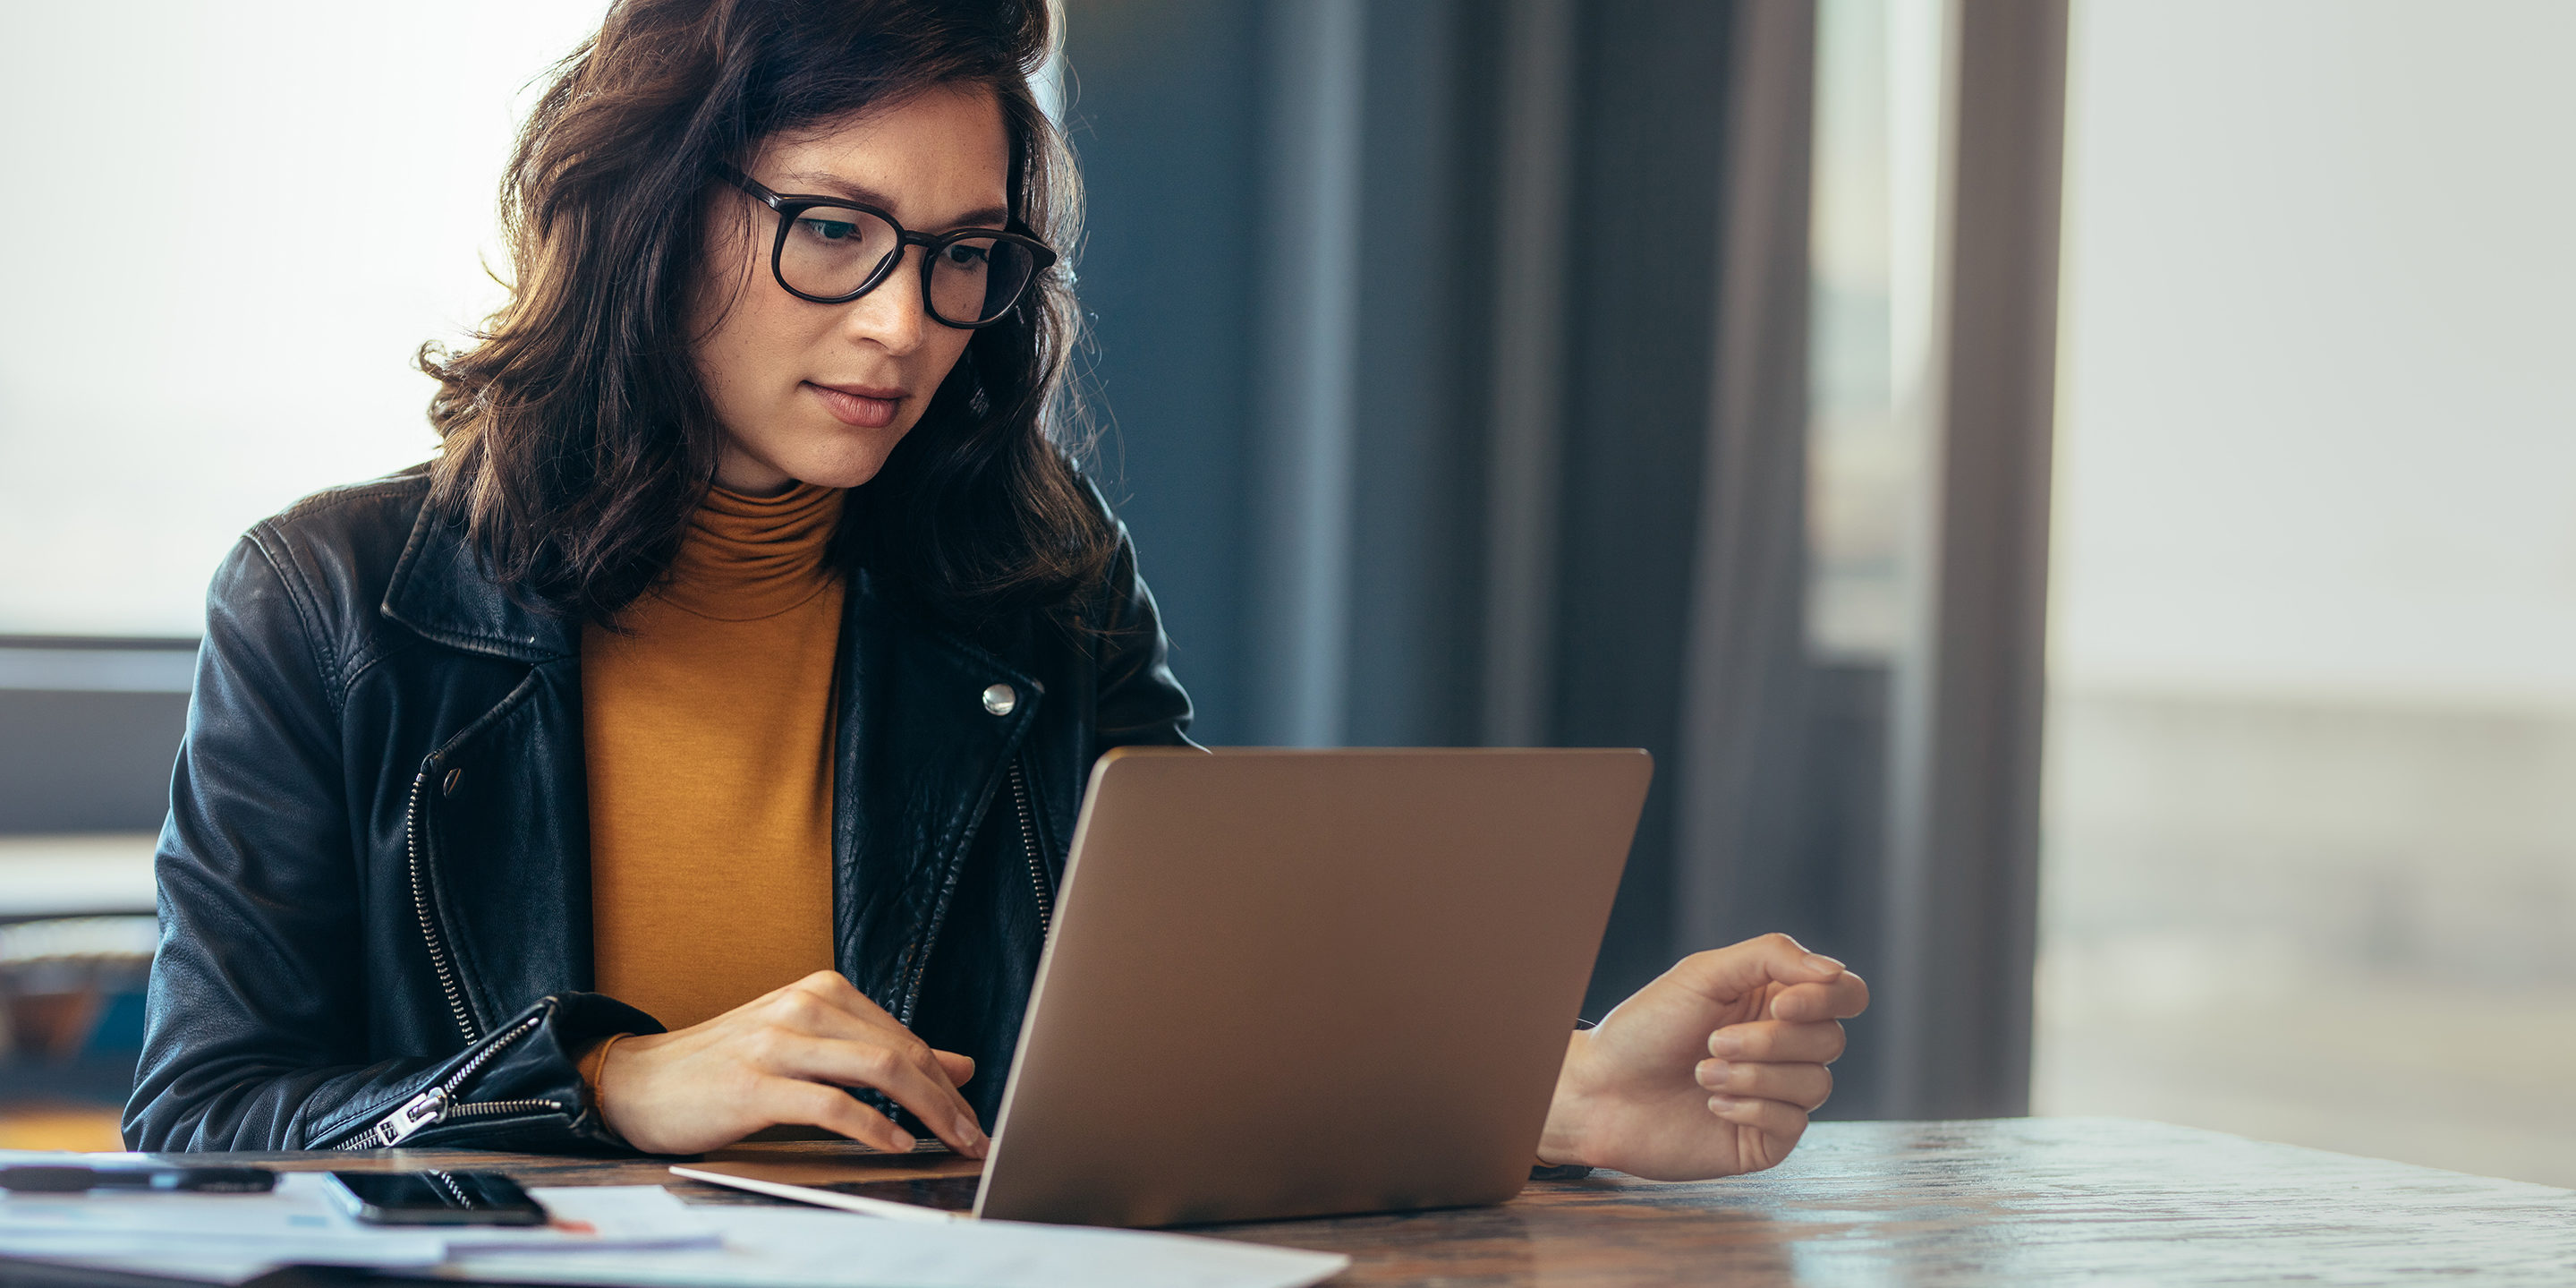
[892,315]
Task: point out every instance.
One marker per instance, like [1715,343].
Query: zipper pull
[423,1110]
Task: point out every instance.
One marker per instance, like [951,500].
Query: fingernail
[964,1129]
[1721,1104]
[1818,961]
[1725,1046]
[1713,1073]
[902,1143]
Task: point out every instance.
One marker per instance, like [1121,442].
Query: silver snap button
[999,699]
[447,785]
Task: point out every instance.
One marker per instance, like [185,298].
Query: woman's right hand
[785,1058]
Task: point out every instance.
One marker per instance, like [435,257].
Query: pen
[54,1179]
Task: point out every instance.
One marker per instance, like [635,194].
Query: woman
[697,740]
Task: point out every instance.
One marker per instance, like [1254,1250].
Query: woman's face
[821,393]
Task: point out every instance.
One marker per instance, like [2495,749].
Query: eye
[967,254]
[830,230]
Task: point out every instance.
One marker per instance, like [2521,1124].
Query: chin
[843,476]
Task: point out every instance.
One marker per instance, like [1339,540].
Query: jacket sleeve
[1139,700]
[256,1018]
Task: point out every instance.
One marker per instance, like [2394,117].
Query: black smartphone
[435,1198]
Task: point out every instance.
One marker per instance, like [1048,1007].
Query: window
[194,337]
[2310,865]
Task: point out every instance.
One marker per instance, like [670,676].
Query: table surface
[1929,1204]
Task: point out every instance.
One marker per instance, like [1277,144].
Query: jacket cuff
[520,1087]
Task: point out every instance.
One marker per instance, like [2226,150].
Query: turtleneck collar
[749,557]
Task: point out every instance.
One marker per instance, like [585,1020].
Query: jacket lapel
[506,802]
[921,757]
[440,591]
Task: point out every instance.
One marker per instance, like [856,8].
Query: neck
[746,557]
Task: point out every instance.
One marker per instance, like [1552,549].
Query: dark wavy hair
[576,436]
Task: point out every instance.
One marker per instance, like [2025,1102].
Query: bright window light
[231,225]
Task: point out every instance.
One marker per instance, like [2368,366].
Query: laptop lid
[1292,983]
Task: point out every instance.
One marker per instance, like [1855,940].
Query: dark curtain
[1451,360]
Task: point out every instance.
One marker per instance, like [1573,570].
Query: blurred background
[2079,497]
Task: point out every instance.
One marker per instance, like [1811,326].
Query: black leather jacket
[375,877]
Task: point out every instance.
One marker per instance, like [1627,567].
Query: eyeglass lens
[831,251]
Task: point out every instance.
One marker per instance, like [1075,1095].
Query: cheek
[946,351]
[749,349]
[928,371]
[737,327]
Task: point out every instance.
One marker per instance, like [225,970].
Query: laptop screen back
[1290,983]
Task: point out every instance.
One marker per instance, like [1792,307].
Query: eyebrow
[822,184]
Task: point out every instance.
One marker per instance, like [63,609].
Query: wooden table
[2010,1201]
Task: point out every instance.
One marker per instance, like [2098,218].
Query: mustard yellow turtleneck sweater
[707,723]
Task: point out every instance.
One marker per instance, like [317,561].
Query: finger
[1807,1086]
[1776,1127]
[1725,974]
[811,1104]
[1778,1041]
[817,1012]
[825,1007]
[799,1012]
[1839,998]
[909,1074]
[913,1077]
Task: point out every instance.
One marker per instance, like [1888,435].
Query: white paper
[638,1234]
[805,1248]
[297,1223]
[198,1268]
[68,1158]
[595,1218]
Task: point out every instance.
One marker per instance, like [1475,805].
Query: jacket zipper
[437,1105]
[421,907]
[1029,847]
[1037,883]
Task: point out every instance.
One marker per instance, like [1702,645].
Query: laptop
[1286,984]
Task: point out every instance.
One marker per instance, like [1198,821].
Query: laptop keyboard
[946,1193]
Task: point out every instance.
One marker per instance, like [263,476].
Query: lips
[860,406]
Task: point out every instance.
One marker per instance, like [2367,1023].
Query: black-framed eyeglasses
[832,250]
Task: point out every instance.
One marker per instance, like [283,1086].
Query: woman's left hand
[1710,1070]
